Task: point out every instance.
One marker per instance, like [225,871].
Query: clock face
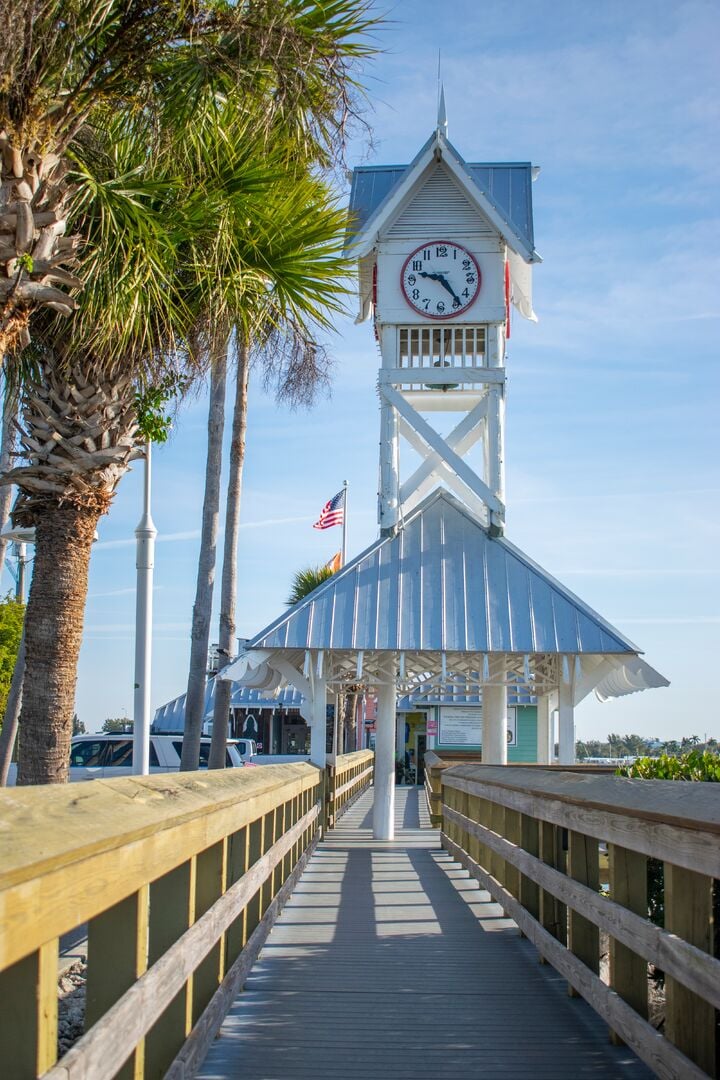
[440,279]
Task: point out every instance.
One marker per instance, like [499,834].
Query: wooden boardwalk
[390,962]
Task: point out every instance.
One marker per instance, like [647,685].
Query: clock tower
[445,249]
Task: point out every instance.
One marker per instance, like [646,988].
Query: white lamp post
[145,534]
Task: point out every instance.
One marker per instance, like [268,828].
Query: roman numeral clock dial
[440,280]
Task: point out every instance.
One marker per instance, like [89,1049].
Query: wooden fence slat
[117,955]
[172,911]
[583,866]
[690,1021]
[628,887]
[211,873]
[28,1014]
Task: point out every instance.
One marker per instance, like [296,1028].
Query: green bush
[695,765]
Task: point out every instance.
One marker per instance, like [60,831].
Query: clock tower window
[447,346]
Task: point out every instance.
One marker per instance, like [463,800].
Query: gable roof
[502,191]
[170,717]
[443,584]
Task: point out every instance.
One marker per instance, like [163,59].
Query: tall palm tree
[61,60]
[304,582]
[68,71]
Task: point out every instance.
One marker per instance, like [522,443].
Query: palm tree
[62,62]
[306,581]
[72,72]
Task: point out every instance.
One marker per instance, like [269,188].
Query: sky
[612,431]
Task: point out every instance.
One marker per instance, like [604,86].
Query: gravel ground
[71,1006]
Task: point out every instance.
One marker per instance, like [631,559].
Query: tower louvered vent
[440,208]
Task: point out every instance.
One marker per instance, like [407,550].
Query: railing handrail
[344,762]
[84,827]
[685,816]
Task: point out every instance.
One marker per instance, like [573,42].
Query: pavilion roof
[442,584]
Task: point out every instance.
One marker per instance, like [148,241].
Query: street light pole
[145,535]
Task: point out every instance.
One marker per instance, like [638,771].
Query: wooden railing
[437,761]
[179,879]
[347,778]
[532,839]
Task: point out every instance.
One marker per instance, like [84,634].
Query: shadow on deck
[390,961]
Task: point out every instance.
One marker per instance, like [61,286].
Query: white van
[95,757]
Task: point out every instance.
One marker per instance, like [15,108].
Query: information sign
[461,725]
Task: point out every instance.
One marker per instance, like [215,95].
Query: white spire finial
[442,124]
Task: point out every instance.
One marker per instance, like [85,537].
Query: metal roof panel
[443,584]
[508,186]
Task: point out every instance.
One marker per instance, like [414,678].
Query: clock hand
[443,281]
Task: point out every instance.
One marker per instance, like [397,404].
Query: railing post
[553,914]
[583,866]
[330,796]
[628,886]
[28,1014]
[117,956]
[237,864]
[172,911]
[253,911]
[512,833]
[530,841]
[690,1023]
[209,887]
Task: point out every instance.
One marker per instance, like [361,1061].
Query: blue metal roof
[442,584]
[171,716]
[508,186]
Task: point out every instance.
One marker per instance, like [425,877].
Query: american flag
[332,512]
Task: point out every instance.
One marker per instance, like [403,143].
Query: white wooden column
[389,493]
[319,722]
[544,749]
[495,426]
[384,804]
[495,725]
[566,724]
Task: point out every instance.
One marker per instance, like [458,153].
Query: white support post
[145,562]
[566,723]
[389,493]
[318,729]
[495,725]
[544,747]
[384,805]
[495,427]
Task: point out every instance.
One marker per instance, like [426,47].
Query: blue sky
[612,431]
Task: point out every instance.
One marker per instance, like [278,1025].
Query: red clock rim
[450,314]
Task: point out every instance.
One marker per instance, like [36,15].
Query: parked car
[95,757]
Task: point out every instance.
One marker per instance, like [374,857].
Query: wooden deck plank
[390,962]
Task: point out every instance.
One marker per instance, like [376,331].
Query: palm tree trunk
[202,608]
[12,713]
[7,449]
[53,635]
[221,709]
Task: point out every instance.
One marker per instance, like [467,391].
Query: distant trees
[11,623]
[115,723]
[621,746]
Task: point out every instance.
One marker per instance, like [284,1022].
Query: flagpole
[345,517]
